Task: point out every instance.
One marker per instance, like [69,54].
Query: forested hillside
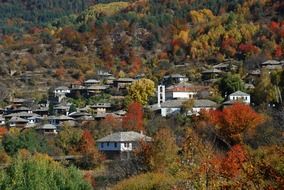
[78,75]
[72,40]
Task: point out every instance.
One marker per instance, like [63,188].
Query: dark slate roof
[129,136]
[175,76]
[79,114]
[60,118]
[204,103]
[101,105]
[23,114]
[239,93]
[47,126]
[18,120]
[85,118]
[92,81]
[197,103]
[125,80]
[173,103]
[271,62]
[97,87]
[212,71]
[62,88]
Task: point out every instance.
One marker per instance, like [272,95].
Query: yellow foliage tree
[141,90]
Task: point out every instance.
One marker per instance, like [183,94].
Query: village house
[18,102]
[101,107]
[122,83]
[61,91]
[174,78]
[76,115]
[32,121]
[43,111]
[60,120]
[109,80]
[103,74]
[211,74]
[23,115]
[78,91]
[47,129]
[120,145]
[96,89]
[172,107]
[17,122]
[237,96]
[91,82]
[100,116]
[186,91]
[225,67]
[271,65]
[61,109]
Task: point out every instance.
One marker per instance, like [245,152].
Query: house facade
[184,91]
[240,96]
[120,145]
[171,107]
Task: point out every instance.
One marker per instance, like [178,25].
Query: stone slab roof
[129,136]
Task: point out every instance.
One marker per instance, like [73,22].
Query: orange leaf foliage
[232,163]
[133,120]
[234,120]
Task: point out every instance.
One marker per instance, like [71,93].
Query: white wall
[180,95]
[121,146]
[168,111]
[245,99]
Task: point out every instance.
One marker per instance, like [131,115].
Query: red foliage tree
[278,51]
[229,46]
[60,72]
[274,26]
[232,122]
[133,120]
[232,163]
[248,49]
[91,157]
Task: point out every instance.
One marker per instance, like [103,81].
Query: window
[126,145]
[107,143]
[115,144]
[102,145]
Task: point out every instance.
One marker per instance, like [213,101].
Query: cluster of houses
[172,92]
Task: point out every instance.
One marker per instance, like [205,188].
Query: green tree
[141,90]
[29,140]
[266,89]
[69,138]
[38,171]
[230,83]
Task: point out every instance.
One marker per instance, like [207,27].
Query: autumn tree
[164,151]
[141,90]
[68,138]
[267,88]
[90,154]
[231,165]
[133,120]
[231,123]
[112,123]
[187,106]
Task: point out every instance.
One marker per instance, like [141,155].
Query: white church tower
[161,94]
